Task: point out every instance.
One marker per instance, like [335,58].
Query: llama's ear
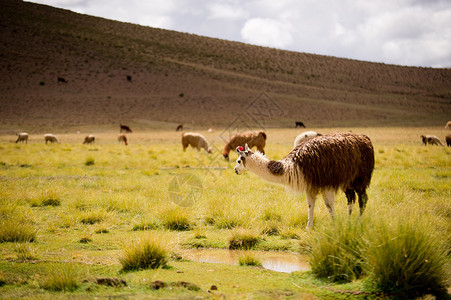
[246,148]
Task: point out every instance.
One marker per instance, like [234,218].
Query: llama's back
[335,161]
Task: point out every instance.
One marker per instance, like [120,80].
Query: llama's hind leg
[350,195]
[311,199]
[363,199]
[329,200]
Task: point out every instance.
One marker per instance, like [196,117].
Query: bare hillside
[146,77]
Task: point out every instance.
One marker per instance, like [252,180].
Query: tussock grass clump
[176,218]
[89,161]
[406,257]
[26,251]
[336,250]
[145,224]
[243,239]
[61,277]
[148,252]
[93,216]
[12,230]
[248,259]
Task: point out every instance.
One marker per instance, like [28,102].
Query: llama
[179,128]
[125,128]
[122,138]
[195,140]
[321,165]
[448,125]
[430,139]
[61,80]
[299,124]
[305,136]
[22,137]
[48,137]
[252,138]
[89,139]
[448,140]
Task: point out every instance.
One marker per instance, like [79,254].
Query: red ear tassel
[240,148]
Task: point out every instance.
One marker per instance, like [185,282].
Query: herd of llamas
[317,164]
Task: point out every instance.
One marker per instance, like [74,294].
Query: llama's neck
[263,167]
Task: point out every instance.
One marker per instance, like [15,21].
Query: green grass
[126,195]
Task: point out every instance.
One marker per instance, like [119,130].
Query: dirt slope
[198,81]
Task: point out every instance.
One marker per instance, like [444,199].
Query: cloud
[267,32]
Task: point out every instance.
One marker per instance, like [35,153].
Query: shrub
[61,277]
[248,259]
[243,239]
[405,257]
[336,250]
[147,253]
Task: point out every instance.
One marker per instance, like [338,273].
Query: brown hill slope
[183,78]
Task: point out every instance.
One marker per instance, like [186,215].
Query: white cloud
[267,32]
[229,11]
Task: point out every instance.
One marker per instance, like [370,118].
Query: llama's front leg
[329,200]
[363,199]
[311,199]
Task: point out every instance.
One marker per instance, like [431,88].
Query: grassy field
[72,214]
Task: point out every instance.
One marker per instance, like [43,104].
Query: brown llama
[430,139]
[320,165]
[122,138]
[89,139]
[251,138]
[22,137]
[448,140]
[179,128]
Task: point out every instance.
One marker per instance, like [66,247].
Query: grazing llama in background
[122,138]
[179,128]
[125,128]
[51,138]
[22,137]
[448,140]
[251,138]
[89,139]
[299,124]
[61,80]
[195,140]
[305,136]
[430,139]
[321,165]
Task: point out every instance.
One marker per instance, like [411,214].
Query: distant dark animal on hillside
[448,140]
[62,80]
[299,124]
[89,139]
[179,128]
[448,125]
[121,138]
[125,128]
[129,78]
[22,137]
[431,139]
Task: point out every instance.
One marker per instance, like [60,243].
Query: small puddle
[275,261]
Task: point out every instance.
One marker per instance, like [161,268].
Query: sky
[401,32]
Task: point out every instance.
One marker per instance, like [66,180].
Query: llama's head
[226,155]
[243,153]
[210,150]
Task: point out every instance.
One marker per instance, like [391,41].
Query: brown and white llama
[321,165]
[252,138]
[22,137]
[48,137]
[89,139]
[195,140]
[122,138]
